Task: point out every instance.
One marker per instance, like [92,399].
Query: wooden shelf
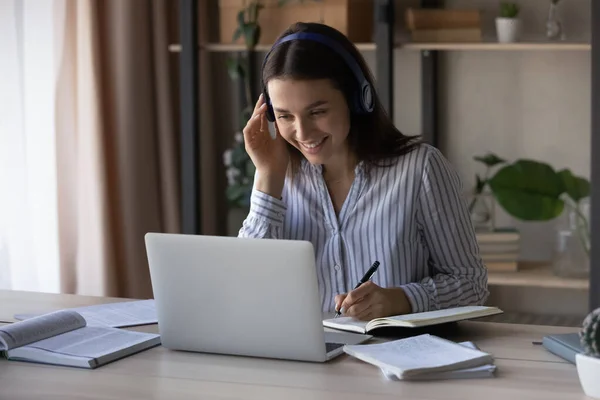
[536,275]
[483,46]
[495,46]
[226,47]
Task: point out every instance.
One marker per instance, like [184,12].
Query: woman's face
[313,116]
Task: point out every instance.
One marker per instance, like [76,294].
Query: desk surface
[524,370]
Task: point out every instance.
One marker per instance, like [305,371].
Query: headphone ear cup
[366,96]
[269,112]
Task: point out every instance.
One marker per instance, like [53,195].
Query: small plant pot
[508,29]
[588,369]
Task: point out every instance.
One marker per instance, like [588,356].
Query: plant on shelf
[239,167]
[588,362]
[508,25]
[531,190]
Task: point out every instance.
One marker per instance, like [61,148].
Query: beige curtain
[117,124]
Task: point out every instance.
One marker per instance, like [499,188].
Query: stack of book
[500,249]
[443,25]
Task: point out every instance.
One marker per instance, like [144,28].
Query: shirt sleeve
[265,217]
[458,275]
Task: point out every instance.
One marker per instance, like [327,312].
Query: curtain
[29,256]
[118,148]
[88,142]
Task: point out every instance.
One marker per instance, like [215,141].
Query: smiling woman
[340,175]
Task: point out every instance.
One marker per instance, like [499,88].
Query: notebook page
[24,332]
[115,315]
[92,342]
[429,315]
[421,352]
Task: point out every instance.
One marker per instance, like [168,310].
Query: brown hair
[372,137]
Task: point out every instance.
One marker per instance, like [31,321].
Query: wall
[517,104]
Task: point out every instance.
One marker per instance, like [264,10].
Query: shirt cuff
[417,297]
[266,207]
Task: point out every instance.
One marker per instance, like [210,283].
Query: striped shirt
[411,217]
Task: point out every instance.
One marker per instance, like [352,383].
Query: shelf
[535,275]
[226,47]
[495,46]
[479,46]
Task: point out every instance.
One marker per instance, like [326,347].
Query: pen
[364,279]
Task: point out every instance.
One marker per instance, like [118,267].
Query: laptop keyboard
[332,346]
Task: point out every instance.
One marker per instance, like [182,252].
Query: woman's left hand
[370,301]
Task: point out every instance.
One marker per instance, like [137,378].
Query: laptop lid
[228,295]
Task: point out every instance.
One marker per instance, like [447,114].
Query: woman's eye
[318,112]
[285,117]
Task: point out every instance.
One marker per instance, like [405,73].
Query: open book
[421,357]
[415,320]
[116,315]
[63,338]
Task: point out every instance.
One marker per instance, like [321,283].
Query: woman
[340,175]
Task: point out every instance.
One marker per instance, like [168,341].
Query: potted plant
[588,362]
[531,190]
[508,24]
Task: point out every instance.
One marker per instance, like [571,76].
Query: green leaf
[236,34]
[576,187]
[528,190]
[234,193]
[234,68]
[480,184]
[490,159]
[240,18]
[251,32]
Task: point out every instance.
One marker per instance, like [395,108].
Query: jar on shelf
[482,211]
[571,259]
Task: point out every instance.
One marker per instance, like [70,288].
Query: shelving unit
[384,48]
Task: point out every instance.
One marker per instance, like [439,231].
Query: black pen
[364,279]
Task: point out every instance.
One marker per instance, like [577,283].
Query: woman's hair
[372,137]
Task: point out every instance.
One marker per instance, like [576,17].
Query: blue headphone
[362,101]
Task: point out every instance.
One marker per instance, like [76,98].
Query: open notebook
[63,338]
[415,320]
[424,357]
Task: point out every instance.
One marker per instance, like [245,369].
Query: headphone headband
[363,96]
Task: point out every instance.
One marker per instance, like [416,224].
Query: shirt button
[337,267]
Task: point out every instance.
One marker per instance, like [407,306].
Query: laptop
[240,296]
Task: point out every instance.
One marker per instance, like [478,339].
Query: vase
[588,371]
[481,211]
[508,29]
[571,260]
[553,25]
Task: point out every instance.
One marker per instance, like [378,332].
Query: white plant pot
[588,369]
[508,29]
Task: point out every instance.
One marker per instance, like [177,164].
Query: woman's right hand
[270,156]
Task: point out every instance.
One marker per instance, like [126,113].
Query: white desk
[524,370]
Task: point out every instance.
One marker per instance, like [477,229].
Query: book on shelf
[439,18]
[414,320]
[502,266]
[498,235]
[425,357]
[466,35]
[63,338]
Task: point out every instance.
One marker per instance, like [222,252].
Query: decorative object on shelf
[533,191]
[438,25]
[481,205]
[554,29]
[354,18]
[588,362]
[508,24]
[571,259]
